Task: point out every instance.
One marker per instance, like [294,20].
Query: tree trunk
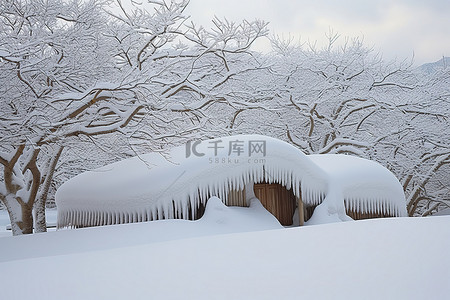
[26,225]
[20,215]
[39,207]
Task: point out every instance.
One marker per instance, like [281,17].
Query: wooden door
[279,201]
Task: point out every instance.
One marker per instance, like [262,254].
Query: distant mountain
[429,68]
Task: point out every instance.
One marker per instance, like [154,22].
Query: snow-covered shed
[236,169]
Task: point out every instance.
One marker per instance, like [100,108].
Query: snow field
[395,258]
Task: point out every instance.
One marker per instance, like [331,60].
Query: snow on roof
[364,185]
[153,186]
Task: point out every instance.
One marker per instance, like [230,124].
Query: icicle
[169,212]
[303,194]
[276,178]
[160,212]
[297,187]
[276,175]
[222,192]
[258,173]
[225,196]
[289,181]
[194,207]
[184,212]
[281,176]
[154,213]
[203,192]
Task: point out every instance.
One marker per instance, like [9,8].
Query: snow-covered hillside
[430,68]
[396,258]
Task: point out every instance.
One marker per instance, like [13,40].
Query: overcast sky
[397,29]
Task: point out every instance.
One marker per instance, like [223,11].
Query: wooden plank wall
[237,198]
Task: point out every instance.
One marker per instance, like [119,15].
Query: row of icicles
[188,206]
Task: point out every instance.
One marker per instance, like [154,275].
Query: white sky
[397,29]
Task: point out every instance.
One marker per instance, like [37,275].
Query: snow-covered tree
[73,71]
[420,147]
[346,99]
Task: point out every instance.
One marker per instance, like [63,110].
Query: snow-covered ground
[222,257]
